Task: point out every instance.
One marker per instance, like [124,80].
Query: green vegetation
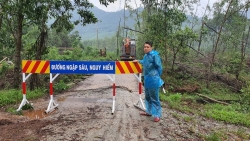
[173,100]
[206,60]
[216,136]
[221,135]
[13,96]
[229,114]
[236,112]
[27,106]
[4,68]
[60,86]
[242,133]
[13,110]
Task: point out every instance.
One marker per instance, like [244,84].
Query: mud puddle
[36,114]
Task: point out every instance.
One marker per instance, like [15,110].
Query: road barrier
[32,66]
[79,67]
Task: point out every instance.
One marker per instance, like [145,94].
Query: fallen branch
[3,60]
[214,100]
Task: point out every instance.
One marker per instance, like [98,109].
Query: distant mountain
[109,22]
[107,25]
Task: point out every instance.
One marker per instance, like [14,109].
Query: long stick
[3,59]
[224,103]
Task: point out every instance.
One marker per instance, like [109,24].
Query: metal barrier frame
[52,104]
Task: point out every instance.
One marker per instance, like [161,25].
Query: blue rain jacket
[152,70]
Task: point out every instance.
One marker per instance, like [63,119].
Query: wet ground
[85,114]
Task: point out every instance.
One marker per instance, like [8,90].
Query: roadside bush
[60,86]
[4,68]
[53,54]
[27,106]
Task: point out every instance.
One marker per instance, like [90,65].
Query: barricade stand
[127,67]
[30,67]
[24,101]
[52,105]
[140,103]
[114,87]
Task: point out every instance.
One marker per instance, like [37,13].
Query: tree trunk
[199,46]
[216,45]
[117,39]
[1,19]
[17,60]
[39,45]
[173,62]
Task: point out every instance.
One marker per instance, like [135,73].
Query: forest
[205,57]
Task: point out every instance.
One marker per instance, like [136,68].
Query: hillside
[109,22]
[107,25]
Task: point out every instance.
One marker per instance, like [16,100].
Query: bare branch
[195,50]
[133,30]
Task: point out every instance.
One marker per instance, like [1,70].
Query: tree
[229,29]
[178,43]
[161,23]
[19,14]
[6,38]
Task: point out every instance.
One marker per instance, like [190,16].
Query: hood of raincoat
[153,52]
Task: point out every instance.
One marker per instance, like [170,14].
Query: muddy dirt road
[84,114]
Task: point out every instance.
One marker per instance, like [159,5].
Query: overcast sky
[119,4]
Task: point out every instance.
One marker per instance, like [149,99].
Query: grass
[60,86]
[235,113]
[13,96]
[188,119]
[222,135]
[173,100]
[215,136]
[218,91]
[227,113]
[242,134]
[13,110]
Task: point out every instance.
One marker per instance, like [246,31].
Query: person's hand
[135,61]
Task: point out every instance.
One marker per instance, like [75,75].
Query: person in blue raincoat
[152,70]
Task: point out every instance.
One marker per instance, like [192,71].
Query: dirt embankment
[84,113]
